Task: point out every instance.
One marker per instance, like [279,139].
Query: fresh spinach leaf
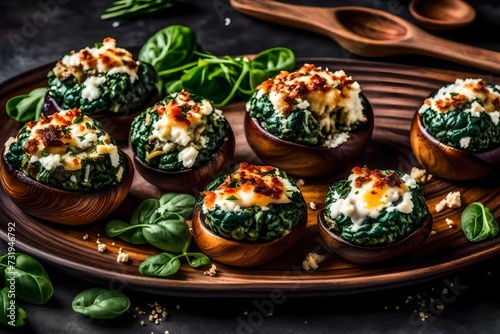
[478,222]
[10,313]
[169,47]
[100,303]
[182,204]
[144,211]
[32,282]
[197,259]
[129,233]
[168,232]
[181,63]
[160,265]
[27,107]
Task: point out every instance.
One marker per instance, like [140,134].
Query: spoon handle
[429,45]
[393,35]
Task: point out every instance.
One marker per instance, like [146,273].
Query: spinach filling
[300,126]
[453,126]
[216,130]
[252,224]
[96,172]
[389,227]
[118,94]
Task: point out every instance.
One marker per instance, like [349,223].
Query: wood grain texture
[449,162]
[304,160]
[442,14]
[395,93]
[61,206]
[369,32]
[368,255]
[193,180]
[242,254]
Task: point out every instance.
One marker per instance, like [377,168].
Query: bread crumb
[312,261]
[452,201]
[433,232]
[312,205]
[300,182]
[212,271]
[85,237]
[420,175]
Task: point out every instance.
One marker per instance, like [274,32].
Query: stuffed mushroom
[69,151]
[102,79]
[375,207]
[311,106]
[464,114]
[253,204]
[182,131]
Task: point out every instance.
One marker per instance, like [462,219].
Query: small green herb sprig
[31,282]
[161,223]
[478,222]
[135,8]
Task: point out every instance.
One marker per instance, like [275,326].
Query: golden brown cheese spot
[249,179]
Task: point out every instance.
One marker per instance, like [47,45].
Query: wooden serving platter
[395,92]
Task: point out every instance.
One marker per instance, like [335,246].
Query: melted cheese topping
[330,96]
[65,138]
[249,186]
[180,125]
[371,192]
[461,92]
[90,62]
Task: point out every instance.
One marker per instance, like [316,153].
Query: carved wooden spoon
[369,32]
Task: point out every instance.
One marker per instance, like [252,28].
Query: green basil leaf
[100,303]
[31,280]
[160,265]
[10,313]
[129,233]
[478,223]
[197,259]
[182,204]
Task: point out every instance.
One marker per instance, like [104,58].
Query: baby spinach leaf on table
[144,211]
[182,204]
[160,265]
[168,232]
[197,259]
[32,282]
[100,303]
[478,223]
[10,313]
[27,107]
[128,233]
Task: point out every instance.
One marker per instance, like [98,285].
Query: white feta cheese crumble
[312,261]
[452,200]
[122,257]
[91,85]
